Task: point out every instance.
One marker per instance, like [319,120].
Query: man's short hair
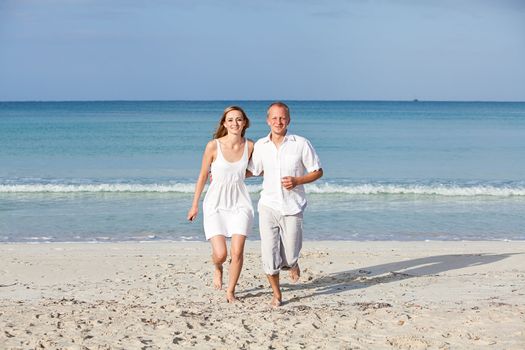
[279,104]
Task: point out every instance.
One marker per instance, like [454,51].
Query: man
[287,162]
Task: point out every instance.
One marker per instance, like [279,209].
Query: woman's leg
[218,256]
[237,258]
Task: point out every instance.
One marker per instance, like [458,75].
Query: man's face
[277,120]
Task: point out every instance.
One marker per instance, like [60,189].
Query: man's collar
[287,137]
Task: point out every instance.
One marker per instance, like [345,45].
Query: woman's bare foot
[230,296]
[217,277]
[295,273]
[276,302]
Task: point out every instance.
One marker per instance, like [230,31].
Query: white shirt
[294,157]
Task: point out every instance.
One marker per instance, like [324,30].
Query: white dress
[227,206]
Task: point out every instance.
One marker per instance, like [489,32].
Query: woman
[227,207]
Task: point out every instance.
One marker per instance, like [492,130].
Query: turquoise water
[92,171]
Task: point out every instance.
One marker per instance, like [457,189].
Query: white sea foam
[73,188]
[43,238]
[416,189]
[324,188]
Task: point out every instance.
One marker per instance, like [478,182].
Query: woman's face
[234,122]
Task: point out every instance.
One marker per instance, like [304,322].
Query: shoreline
[254,241]
[352,294]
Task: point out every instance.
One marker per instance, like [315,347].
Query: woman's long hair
[221,130]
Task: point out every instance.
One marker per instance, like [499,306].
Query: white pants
[281,239]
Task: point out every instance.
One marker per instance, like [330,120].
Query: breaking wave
[434,189]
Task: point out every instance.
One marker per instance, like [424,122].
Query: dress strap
[245,154]
[219,151]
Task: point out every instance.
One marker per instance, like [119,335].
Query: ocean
[125,171]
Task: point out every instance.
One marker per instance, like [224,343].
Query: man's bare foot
[230,297]
[217,277]
[295,273]
[276,302]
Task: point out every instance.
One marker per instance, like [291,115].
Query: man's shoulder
[300,140]
[261,141]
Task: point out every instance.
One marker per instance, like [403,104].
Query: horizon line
[415,100]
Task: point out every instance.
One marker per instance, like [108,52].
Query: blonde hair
[221,130]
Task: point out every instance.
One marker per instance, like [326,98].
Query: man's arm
[255,166]
[249,174]
[290,182]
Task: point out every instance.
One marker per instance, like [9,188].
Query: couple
[286,162]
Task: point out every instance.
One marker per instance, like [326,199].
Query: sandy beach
[352,295]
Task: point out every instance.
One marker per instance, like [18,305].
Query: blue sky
[245,49]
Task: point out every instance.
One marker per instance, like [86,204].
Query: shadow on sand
[396,271]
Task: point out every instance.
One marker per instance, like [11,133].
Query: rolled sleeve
[310,159]
[255,165]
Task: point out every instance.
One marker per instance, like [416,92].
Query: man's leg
[292,238]
[276,289]
[271,250]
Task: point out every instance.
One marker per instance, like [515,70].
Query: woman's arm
[207,159]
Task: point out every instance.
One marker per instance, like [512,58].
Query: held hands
[289,182]
[192,213]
